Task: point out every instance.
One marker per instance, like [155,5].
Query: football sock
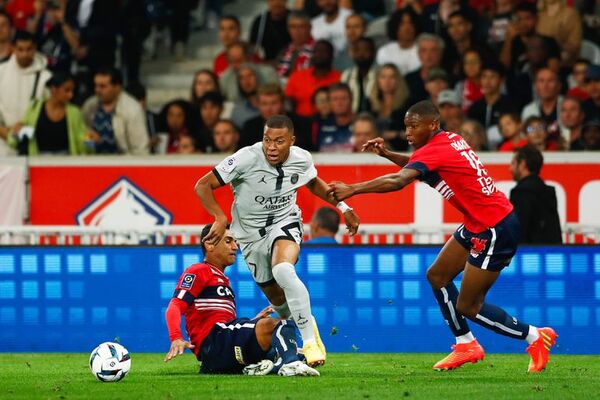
[498,320]
[282,310]
[532,335]
[446,298]
[466,338]
[297,299]
[284,341]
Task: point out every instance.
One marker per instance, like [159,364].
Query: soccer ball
[110,362]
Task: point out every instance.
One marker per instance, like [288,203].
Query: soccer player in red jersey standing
[220,340]
[480,248]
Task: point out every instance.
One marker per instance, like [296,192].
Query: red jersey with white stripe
[448,165]
[209,298]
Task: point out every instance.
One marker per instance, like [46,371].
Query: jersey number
[488,186]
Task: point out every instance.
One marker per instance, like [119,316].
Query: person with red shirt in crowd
[224,343]
[302,84]
[480,248]
[510,128]
[229,33]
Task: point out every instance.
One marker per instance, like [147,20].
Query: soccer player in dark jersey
[480,248]
[220,340]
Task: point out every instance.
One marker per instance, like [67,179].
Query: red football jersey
[448,165]
[209,298]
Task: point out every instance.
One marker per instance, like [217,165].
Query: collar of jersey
[215,269]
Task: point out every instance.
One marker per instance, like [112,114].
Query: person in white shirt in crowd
[22,79]
[402,30]
[330,24]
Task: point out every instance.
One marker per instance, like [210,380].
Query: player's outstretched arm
[173,317]
[383,184]
[319,188]
[204,189]
[377,146]
[178,346]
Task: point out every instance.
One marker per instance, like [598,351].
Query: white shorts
[258,253]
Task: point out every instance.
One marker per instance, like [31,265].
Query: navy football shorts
[229,347]
[493,248]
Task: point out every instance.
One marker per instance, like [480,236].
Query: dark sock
[284,341]
[498,320]
[446,298]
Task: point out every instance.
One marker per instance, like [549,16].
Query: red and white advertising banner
[132,192]
[13,174]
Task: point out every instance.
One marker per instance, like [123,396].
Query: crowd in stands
[504,73]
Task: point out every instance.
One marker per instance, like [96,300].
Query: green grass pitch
[346,376]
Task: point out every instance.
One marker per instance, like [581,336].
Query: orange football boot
[540,349]
[461,354]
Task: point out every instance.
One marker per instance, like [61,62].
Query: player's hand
[265,313]
[178,346]
[216,233]
[352,222]
[376,146]
[340,191]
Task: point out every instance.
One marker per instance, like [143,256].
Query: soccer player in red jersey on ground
[220,340]
[480,248]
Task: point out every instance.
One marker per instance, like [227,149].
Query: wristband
[343,207]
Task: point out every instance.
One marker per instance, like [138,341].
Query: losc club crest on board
[123,205]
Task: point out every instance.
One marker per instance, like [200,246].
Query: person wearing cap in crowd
[450,110]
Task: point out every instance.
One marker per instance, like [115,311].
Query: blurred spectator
[176,121]
[334,134]
[226,137]
[210,107]
[517,35]
[180,27]
[229,33]
[21,11]
[324,225]
[590,15]
[571,122]
[562,23]
[187,145]
[435,15]
[302,84]
[97,24]
[269,30]
[116,119]
[320,100]
[469,89]
[55,38]
[237,55]
[474,134]
[355,28]
[58,127]
[537,134]
[135,28]
[592,105]
[590,134]
[364,128]
[402,30]
[576,80]
[547,90]
[541,52]
[6,27]
[138,91]
[213,10]
[22,79]
[460,32]
[297,55]
[451,113]
[535,202]
[270,103]
[246,107]
[330,24]
[500,20]
[488,109]
[361,78]
[204,81]
[510,128]
[389,94]
[430,50]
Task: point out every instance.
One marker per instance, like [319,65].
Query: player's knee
[436,280]
[469,309]
[284,274]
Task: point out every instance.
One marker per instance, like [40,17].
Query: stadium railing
[190,234]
